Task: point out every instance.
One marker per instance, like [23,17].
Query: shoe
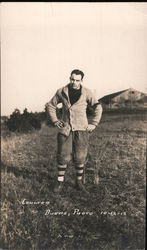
[80,187]
[58,187]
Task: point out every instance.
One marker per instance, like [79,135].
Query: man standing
[73,136]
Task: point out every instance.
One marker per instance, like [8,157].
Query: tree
[14,121]
[23,122]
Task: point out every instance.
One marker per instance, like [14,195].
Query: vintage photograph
[73,125]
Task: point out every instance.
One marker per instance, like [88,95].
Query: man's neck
[76,88]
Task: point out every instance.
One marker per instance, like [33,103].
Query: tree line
[28,121]
[25,122]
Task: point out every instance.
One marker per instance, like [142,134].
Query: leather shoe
[58,187]
[80,187]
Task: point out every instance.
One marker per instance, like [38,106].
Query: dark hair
[78,72]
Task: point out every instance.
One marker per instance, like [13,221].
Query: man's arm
[97,111]
[51,108]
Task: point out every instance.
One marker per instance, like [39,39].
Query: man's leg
[64,152]
[79,171]
[80,150]
[61,172]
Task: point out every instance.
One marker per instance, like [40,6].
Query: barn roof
[110,96]
[107,98]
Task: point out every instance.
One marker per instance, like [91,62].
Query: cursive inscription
[26,202]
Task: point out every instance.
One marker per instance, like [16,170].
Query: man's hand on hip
[90,127]
[59,124]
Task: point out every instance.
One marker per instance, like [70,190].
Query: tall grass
[115,209]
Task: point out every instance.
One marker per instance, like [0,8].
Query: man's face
[75,81]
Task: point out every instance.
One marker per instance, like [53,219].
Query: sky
[41,43]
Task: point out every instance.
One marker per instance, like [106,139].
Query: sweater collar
[65,92]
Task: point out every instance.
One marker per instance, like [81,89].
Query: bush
[23,122]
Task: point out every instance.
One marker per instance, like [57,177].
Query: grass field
[112,217]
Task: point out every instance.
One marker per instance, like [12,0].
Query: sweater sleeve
[51,107]
[97,108]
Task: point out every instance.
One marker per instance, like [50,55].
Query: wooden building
[128,98]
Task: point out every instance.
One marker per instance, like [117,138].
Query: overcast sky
[41,43]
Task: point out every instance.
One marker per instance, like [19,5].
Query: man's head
[76,78]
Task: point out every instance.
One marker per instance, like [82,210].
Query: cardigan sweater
[74,116]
